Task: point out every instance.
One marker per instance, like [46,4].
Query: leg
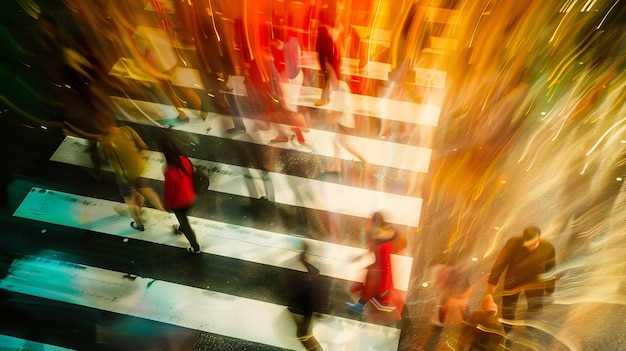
[336,167]
[346,145]
[269,186]
[153,198]
[185,227]
[535,300]
[133,209]
[330,82]
[95,157]
[132,199]
[509,305]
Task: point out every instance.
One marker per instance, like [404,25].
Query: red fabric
[378,281]
[178,191]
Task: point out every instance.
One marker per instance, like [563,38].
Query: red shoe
[299,135]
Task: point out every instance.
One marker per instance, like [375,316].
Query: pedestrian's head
[383,233]
[170,151]
[489,305]
[531,237]
[378,219]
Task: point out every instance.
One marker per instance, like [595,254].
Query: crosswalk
[239,242]
[383,108]
[213,308]
[10,343]
[193,308]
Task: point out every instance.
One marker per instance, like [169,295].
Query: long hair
[171,152]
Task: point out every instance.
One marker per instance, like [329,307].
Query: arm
[501,263]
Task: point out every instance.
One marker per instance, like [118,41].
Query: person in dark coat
[527,260]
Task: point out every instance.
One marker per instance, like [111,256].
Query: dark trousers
[509,304]
[185,227]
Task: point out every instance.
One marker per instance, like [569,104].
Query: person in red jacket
[178,190]
[378,284]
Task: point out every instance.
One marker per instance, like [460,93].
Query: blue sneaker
[355,307]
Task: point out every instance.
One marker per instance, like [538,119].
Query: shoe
[139,227]
[299,135]
[130,277]
[357,307]
[176,229]
[236,131]
[321,102]
[280,139]
[192,251]
[182,117]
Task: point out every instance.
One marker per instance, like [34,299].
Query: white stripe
[188,307]
[389,109]
[10,343]
[318,142]
[229,240]
[290,190]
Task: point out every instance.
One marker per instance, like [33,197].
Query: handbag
[200,178]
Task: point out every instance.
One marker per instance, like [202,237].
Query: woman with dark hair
[178,190]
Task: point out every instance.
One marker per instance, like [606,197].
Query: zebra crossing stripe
[319,142]
[244,243]
[10,343]
[388,109]
[289,190]
[193,308]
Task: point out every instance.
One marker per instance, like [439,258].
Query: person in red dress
[178,190]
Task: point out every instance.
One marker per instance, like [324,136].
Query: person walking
[527,260]
[378,284]
[178,190]
[123,146]
[329,54]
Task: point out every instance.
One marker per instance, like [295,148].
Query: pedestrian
[178,190]
[345,125]
[527,260]
[378,285]
[454,290]
[285,54]
[482,330]
[329,54]
[311,295]
[123,148]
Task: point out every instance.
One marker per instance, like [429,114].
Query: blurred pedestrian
[310,296]
[329,55]
[454,291]
[378,285]
[482,330]
[527,260]
[344,127]
[285,56]
[123,147]
[178,190]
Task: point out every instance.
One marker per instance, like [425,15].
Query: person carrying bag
[179,192]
